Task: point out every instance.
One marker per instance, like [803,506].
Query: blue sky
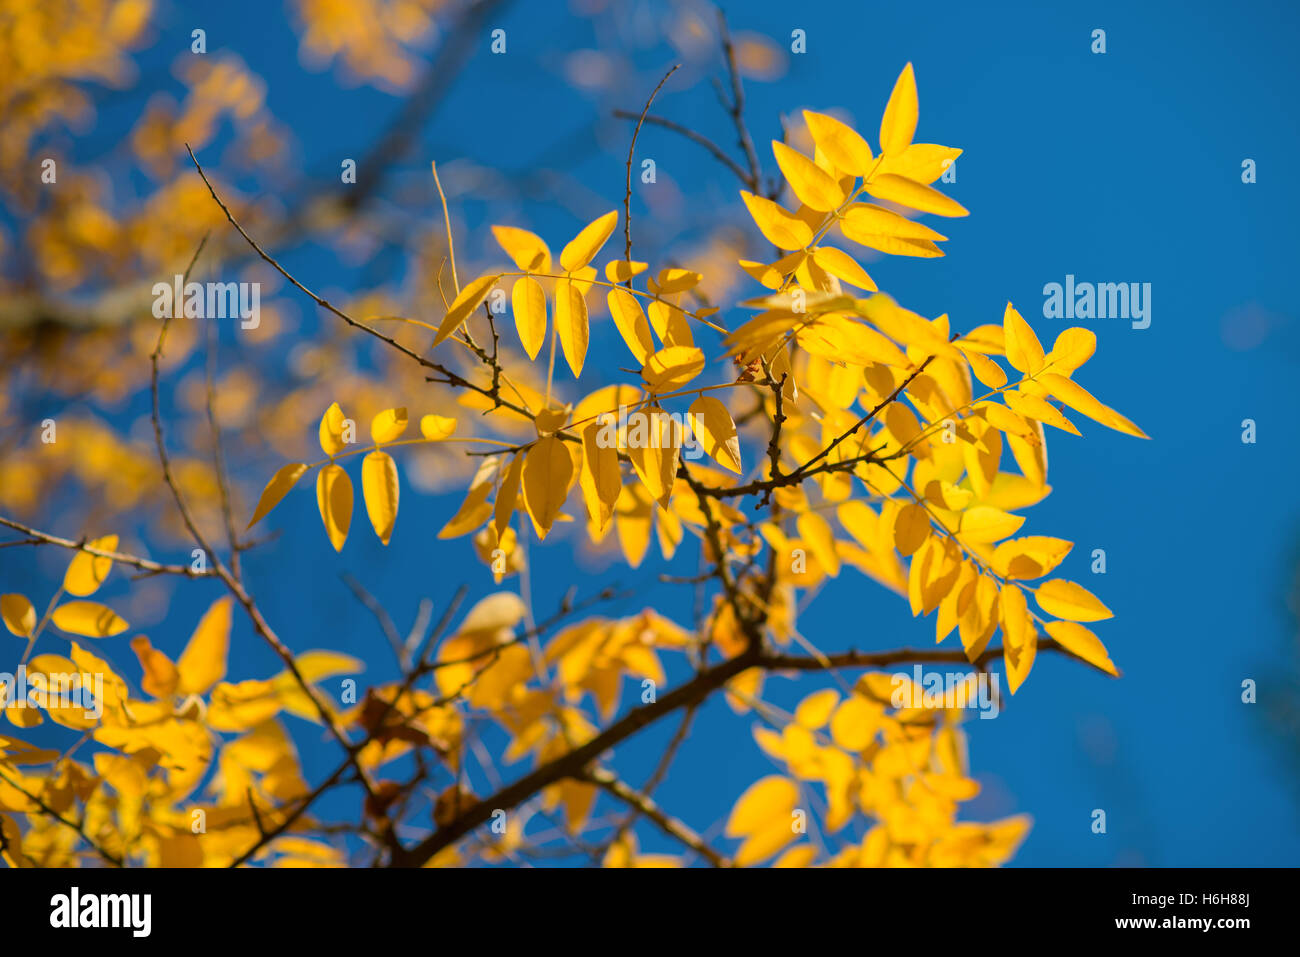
[1122,167]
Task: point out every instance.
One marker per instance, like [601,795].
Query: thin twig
[738,105]
[627,196]
[381,615]
[143,564]
[691,135]
[218,456]
[674,828]
[79,828]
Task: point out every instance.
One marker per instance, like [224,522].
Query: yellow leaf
[1039,409]
[475,509]
[583,248]
[334,499]
[11,838]
[901,422]
[276,489]
[1020,660]
[332,424]
[911,528]
[527,249]
[862,523]
[571,323]
[923,162]
[898,125]
[1081,642]
[528,300]
[1065,599]
[815,710]
[892,245]
[631,322]
[203,662]
[713,425]
[601,479]
[765,842]
[768,799]
[908,192]
[800,856]
[855,722]
[507,495]
[161,677]
[946,495]
[1081,400]
[777,226]
[547,477]
[464,304]
[813,186]
[633,519]
[984,523]
[868,219]
[816,531]
[436,427]
[88,618]
[1024,351]
[674,280]
[87,572]
[69,694]
[841,144]
[672,367]
[242,706]
[670,325]
[620,270]
[980,620]
[318,665]
[843,267]
[771,275]
[986,370]
[380,489]
[1002,418]
[551,420]
[654,443]
[1030,557]
[1013,614]
[18,614]
[388,426]
[183,850]
[1073,347]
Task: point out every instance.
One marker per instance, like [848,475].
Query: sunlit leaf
[334,499]
[583,247]
[87,572]
[285,478]
[379,487]
[89,619]
[899,122]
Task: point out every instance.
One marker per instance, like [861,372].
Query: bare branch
[143,564]
[627,196]
[644,805]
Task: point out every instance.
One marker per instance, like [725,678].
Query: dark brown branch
[883,659]
[573,763]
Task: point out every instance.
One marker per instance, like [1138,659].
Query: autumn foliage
[801,436]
